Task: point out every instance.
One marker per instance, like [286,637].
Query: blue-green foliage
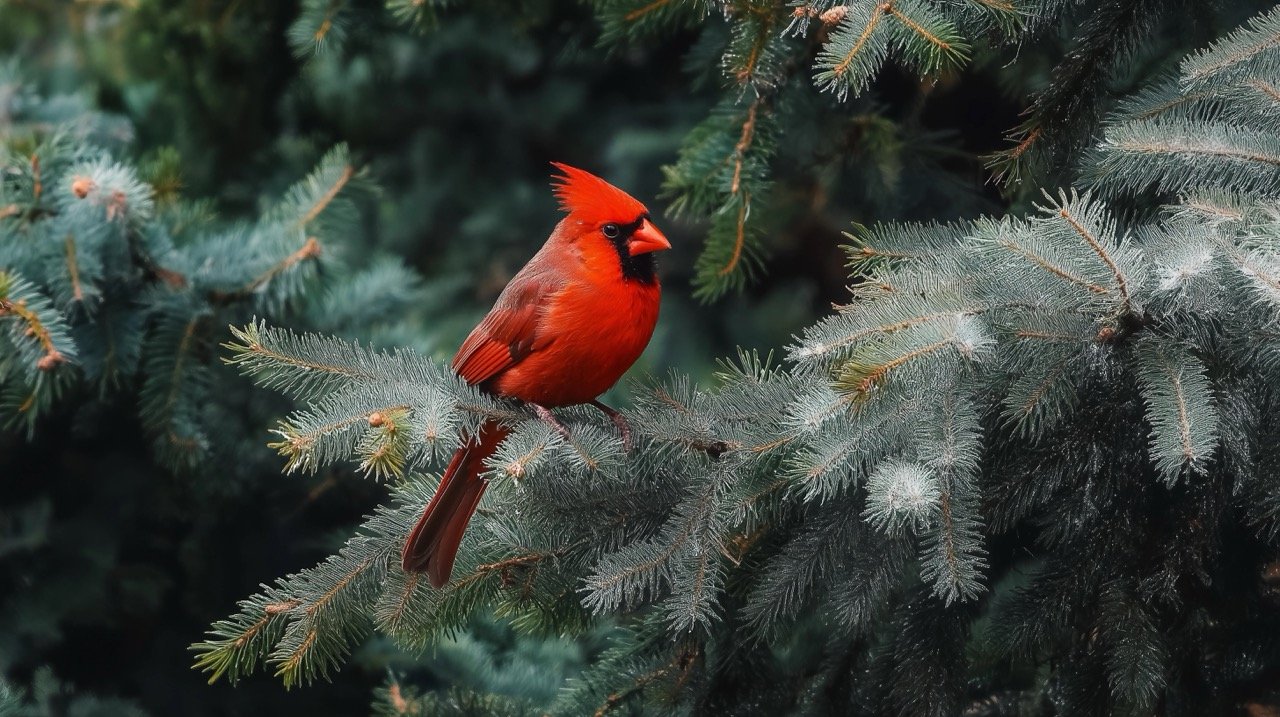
[1093,385]
[113,285]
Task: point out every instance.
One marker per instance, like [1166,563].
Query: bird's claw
[620,422]
[549,418]
[624,428]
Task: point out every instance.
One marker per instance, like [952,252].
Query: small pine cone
[277,608]
[834,15]
[82,185]
[50,361]
[376,419]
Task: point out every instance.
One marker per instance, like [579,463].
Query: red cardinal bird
[565,329]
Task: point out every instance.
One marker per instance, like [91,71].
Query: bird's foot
[549,418]
[620,421]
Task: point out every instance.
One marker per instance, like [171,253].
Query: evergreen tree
[1022,470]
[115,290]
[1025,470]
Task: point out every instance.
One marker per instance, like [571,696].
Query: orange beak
[646,239]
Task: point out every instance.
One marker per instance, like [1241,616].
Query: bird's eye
[611,231]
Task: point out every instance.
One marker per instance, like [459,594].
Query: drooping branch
[51,357]
[309,250]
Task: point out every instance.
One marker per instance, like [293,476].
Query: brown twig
[37,186]
[1121,285]
[73,268]
[51,357]
[877,14]
[347,173]
[740,238]
[744,143]
[642,11]
[309,249]
[683,661]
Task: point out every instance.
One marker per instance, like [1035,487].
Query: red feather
[507,334]
[591,200]
[433,544]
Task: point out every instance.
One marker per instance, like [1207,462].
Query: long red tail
[433,543]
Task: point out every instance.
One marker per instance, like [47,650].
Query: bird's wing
[511,330]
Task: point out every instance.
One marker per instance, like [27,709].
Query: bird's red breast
[580,313]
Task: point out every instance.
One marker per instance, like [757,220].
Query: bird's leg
[620,421]
[549,418]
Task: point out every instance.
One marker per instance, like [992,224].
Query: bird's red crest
[592,200]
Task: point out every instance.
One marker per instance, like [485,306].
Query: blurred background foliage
[113,564]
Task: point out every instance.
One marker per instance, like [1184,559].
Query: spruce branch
[1000,6]
[954,559]
[833,335]
[931,42]
[305,650]
[344,176]
[755,57]
[682,662]
[902,495]
[790,579]
[625,21]
[420,14]
[36,328]
[646,9]
[320,25]
[175,385]
[1219,207]
[1191,148]
[1050,266]
[866,32]
[311,439]
[1030,400]
[1086,234]
[869,366]
[1136,655]
[236,642]
[504,568]
[958,577]
[740,150]
[1180,408]
[307,366]
[1240,52]
[310,249]
[1060,119]
[1263,271]
[855,50]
